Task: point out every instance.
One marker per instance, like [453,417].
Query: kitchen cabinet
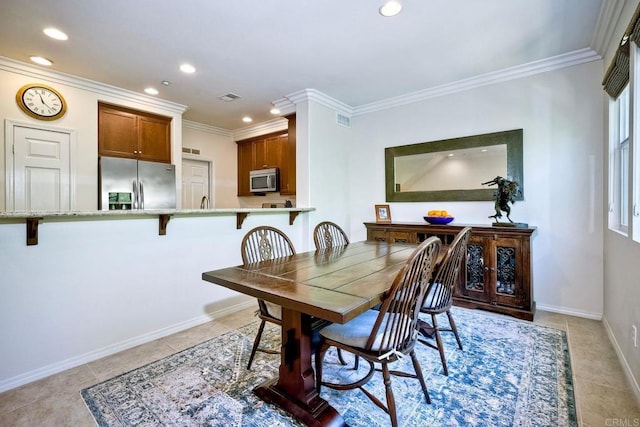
[265,151]
[497,273]
[245,164]
[268,152]
[288,161]
[128,133]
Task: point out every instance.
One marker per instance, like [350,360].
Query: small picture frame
[383,213]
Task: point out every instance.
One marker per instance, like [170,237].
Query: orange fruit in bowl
[439,213]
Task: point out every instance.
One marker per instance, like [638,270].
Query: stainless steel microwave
[264,180]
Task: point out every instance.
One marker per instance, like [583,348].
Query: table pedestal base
[317,413]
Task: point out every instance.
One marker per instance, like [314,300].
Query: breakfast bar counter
[34,218]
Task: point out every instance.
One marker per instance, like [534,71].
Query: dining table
[330,285]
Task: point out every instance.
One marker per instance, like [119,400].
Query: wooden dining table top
[335,284]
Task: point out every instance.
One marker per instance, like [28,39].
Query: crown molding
[285,106]
[24,69]
[610,13]
[206,128]
[274,125]
[536,67]
[288,103]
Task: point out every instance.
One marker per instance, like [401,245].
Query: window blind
[617,75]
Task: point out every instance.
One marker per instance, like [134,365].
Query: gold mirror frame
[512,139]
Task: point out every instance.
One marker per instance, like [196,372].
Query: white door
[41,170]
[195,183]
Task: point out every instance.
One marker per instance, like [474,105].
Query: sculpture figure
[505,194]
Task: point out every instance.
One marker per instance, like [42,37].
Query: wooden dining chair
[329,235]
[439,297]
[386,335]
[264,244]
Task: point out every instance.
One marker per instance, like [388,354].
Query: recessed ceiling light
[166,82]
[187,68]
[55,33]
[247,119]
[450,155]
[274,111]
[151,91]
[390,8]
[40,60]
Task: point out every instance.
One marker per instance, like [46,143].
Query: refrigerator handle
[135,195]
[141,195]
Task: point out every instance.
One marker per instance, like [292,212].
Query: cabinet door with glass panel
[494,271]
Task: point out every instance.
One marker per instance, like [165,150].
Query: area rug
[510,373]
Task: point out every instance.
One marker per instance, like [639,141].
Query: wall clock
[41,101]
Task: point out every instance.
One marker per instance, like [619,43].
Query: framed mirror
[453,169]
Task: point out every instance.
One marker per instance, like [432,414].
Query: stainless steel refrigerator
[135,184]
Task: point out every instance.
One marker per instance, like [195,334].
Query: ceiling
[264,50]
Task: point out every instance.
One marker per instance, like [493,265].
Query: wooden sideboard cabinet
[497,273]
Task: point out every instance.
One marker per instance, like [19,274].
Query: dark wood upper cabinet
[267,151]
[128,133]
[288,161]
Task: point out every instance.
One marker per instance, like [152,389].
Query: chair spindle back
[440,293]
[265,243]
[328,235]
[395,327]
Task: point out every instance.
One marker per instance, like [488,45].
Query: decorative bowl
[438,219]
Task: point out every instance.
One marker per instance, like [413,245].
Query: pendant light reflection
[390,8]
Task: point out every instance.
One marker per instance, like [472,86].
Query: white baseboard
[234,304]
[569,312]
[625,366]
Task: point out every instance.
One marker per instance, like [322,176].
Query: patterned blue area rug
[510,373]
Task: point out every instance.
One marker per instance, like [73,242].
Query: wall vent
[343,120]
[229,97]
[190,150]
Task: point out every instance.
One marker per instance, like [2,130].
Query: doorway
[196,176]
[40,168]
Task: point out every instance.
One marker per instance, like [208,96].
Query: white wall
[561,114]
[92,288]
[82,98]
[328,172]
[218,147]
[621,257]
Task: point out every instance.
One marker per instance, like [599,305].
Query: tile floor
[603,396]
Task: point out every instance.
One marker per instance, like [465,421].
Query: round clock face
[41,102]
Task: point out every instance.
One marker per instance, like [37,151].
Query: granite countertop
[34,218]
[146,212]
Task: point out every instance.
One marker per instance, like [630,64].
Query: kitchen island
[33,219]
[101,282]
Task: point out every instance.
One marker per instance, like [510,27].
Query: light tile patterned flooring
[603,395]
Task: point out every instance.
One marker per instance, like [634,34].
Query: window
[623,142]
[619,164]
[633,150]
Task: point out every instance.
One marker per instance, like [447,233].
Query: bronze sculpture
[505,194]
